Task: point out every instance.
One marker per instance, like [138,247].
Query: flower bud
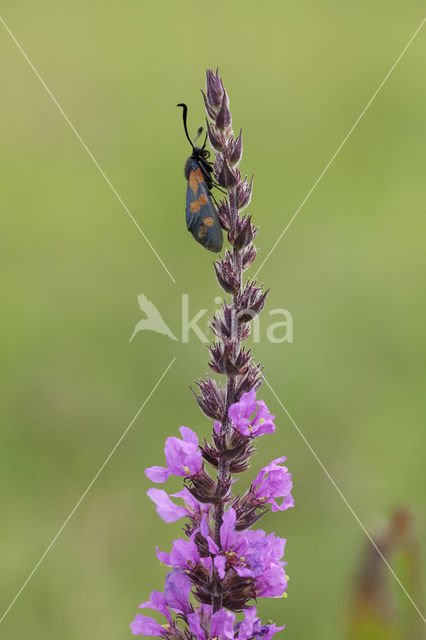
[248,511]
[211,398]
[214,88]
[245,331]
[239,592]
[244,190]
[223,118]
[227,177]
[227,359]
[217,140]
[250,302]
[243,233]
[218,163]
[248,256]
[234,148]
[252,379]
[210,112]
[224,214]
[222,323]
[225,274]
[202,487]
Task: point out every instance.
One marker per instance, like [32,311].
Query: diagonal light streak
[346,502]
[333,157]
[84,494]
[86,148]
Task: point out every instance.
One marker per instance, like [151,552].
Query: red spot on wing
[196,205]
[193,181]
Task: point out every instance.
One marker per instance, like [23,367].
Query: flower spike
[223,565]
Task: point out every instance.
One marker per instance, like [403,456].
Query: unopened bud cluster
[223,565]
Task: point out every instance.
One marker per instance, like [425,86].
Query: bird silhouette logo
[153,320]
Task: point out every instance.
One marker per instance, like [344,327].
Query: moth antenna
[184,115]
[199,132]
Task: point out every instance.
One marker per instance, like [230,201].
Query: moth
[201,216]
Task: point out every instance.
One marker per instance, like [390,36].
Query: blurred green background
[351,270]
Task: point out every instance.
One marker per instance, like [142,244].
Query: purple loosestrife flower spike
[222,565]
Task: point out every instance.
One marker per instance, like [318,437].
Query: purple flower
[166,509]
[250,553]
[229,539]
[145,626]
[228,536]
[267,631]
[251,417]
[184,552]
[221,566]
[199,621]
[272,583]
[183,457]
[263,551]
[251,627]
[274,481]
[170,512]
[222,625]
[195,627]
[157,601]
[177,590]
[246,627]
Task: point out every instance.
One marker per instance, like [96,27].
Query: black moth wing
[201,217]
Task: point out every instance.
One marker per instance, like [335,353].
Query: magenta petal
[227,530]
[251,417]
[189,500]
[222,624]
[272,583]
[272,482]
[246,627]
[188,435]
[286,504]
[244,572]
[204,527]
[182,458]
[270,630]
[157,601]
[220,564]
[157,474]
[166,509]
[184,551]
[145,626]
[274,463]
[195,626]
[213,548]
[163,557]
[177,589]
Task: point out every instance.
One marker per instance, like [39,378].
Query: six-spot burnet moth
[201,217]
